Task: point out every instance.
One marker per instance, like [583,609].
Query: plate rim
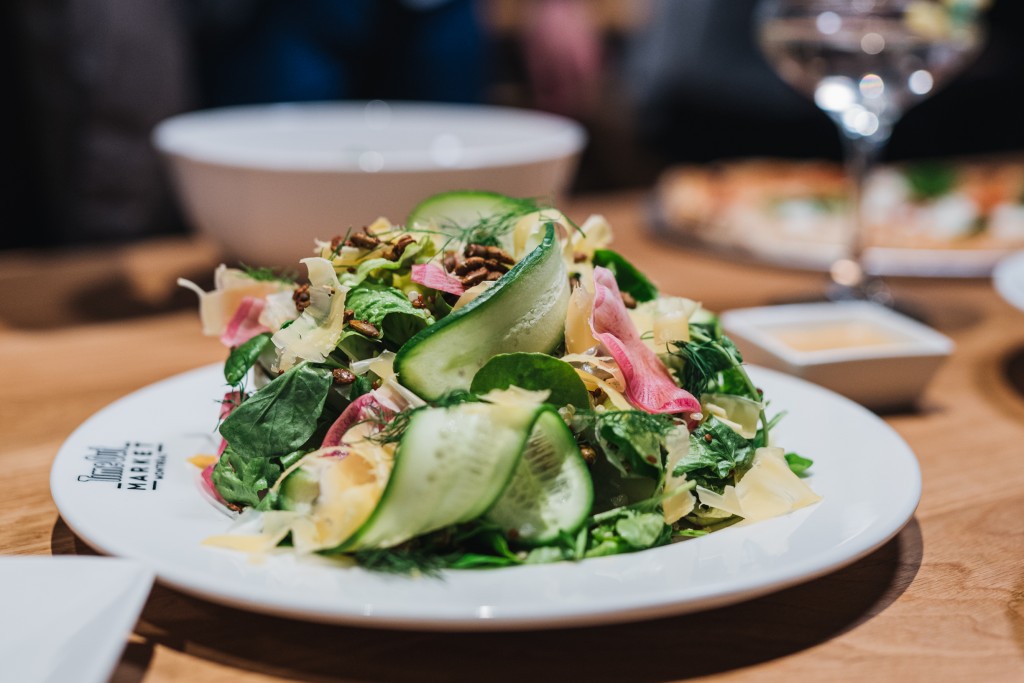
[613,612]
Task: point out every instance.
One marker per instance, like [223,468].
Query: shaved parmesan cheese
[516,396]
[230,287]
[396,397]
[382,365]
[678,501]
[578,336]
[472,293]
[768,489]
[279,309]
[738,413]
[316,332]
[530,229]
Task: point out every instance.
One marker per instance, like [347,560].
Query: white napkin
[67,618]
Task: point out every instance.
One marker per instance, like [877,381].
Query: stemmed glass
[865,62]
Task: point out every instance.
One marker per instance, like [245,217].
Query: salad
[489,385]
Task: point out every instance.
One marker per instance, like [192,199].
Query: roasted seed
[301,297]
[342,376]
[708,438]
[628,299]
[364,327]
[398,248]
[589,454]
[470,265]
[474,278]
[450,261]
[348,315]
[363,241]
[485,251]
[578,257]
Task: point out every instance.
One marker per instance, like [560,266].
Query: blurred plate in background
[934,218]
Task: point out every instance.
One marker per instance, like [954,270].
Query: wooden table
[942,601]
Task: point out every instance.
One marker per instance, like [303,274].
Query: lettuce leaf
[389,310]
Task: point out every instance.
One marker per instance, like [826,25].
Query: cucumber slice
[465,208]
[551,492]
[524,311]
[450,467]
[299,490]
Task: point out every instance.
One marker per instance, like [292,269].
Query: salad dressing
[836,334]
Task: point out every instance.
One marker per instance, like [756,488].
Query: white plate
[1008,278]
[122,483]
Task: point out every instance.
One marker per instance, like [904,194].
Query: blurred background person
[702,91]
[656,82]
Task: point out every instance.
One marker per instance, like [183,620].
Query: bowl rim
[754,325]
[561,138]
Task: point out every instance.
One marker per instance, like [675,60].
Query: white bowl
[264,181]
[866,352]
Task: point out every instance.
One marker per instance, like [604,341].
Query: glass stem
[849,277]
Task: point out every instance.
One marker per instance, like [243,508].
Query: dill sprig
[391,427]
[488,230]
[705,355]
[402,560]
[265,274]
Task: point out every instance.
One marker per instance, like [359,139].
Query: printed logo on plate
[135,466]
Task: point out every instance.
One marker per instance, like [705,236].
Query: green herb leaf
[268,275]
[536,372]
[629,279]
[243,357]
[705,355]
[240,479]
[631,441]
[798,464]
[716,454]
[641,530]
[280,417]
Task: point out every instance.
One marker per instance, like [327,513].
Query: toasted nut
[484,251]
[450,261]
[589,454]
[364,327]
[578,257]
[348,315]
[474,278]
[469,265]
[301,297]
[418,302]
[398,248]
[628,299]
[363,241]
[343,376]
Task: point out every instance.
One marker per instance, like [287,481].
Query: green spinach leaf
[798,464]
[536,372]
[280,417]
[243,357]
[629,279]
